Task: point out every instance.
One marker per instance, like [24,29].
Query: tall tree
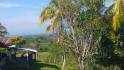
[54,13]
[80,26]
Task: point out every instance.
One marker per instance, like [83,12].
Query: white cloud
[11,5]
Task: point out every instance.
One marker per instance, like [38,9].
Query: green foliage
[118,52]
[84,18]
[17,40]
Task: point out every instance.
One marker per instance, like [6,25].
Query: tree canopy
[87,28]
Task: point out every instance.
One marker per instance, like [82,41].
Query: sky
[20,17]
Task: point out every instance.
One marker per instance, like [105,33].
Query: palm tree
[53,13]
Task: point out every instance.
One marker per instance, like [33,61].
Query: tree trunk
[80,63]
[64,62]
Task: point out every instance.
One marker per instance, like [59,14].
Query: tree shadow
[33,66]
[39,66]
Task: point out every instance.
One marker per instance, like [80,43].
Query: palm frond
[54,22]
[115,23]
[49,28]
[117,15]
[46,14]
[51,12]
[57,12]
